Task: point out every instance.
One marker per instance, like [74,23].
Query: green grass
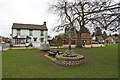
[30,63]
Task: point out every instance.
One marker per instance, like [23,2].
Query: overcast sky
[25,11]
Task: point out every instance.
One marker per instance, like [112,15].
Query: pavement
[5,49]
[73,46]
[6,45]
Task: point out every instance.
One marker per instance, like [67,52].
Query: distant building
[100,38]
[112,39]
[5,39]
[86,38]
[25,34]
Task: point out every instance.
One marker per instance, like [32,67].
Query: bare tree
[83,13]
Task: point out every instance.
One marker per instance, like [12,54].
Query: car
[95,42]
[2,42]
[101,42]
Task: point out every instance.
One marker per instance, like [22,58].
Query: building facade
[112,39]
[86,38]
[29,34]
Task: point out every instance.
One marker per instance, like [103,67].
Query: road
[6,45]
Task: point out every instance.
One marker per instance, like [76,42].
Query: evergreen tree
[104,35]
[96,39]
[116,35]
[119,36]
[98,31]
[110,34]
[93,34]
[85,30]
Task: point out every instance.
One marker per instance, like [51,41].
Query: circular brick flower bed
[69,59]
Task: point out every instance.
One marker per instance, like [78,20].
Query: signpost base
[69,47]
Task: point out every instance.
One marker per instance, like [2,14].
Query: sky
[25,11]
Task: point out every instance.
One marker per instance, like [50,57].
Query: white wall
[24,32]
[14,32]
[36,34]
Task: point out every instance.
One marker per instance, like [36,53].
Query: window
[30,32]
[18,31]
[35,39]
[42,40]
[87,40]
[27,41]
[42,33]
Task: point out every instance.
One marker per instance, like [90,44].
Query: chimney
[44,23]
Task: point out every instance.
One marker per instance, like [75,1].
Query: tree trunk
[79,39]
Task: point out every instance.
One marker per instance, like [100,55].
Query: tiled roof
[115,37]
[74,36]
[86,36]
[100,37]
[29,26]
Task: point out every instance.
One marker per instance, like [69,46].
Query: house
[112,39]
[100,38]
[86,38]
[5,39]
[97,38]
[26,34]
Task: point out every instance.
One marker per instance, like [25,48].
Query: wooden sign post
[70,30]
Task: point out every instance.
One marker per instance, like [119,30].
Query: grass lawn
[30,63]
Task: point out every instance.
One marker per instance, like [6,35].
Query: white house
[29,34]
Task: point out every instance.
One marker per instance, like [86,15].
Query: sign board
[0,47]
[69,32]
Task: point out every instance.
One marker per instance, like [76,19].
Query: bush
[51,44]
[9,41]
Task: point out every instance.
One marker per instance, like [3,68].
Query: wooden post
[69,42]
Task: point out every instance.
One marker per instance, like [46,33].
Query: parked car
[2,42]
[101,42]
[95,42]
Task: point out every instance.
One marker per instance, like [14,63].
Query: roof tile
[29,26]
